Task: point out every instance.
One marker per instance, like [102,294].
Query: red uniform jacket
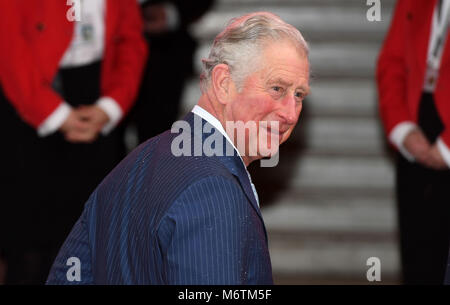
[34,36]
[402,66]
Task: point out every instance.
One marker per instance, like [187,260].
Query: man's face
[274,93]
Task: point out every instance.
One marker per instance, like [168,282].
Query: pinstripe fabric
[161,219]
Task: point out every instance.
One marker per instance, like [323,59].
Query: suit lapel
[233,163]
[111,15]
[237,168]
[421,16]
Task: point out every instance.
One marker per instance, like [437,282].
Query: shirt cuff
[398,135]
[55,120]
[172,15]
[113,110]
[444,150]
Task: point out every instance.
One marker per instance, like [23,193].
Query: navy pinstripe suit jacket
[161,219]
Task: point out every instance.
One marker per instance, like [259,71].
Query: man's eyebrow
[287,84]
[306,89]
[279,81]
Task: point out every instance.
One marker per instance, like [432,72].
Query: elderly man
[164,218]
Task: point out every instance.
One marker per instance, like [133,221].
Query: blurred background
[329,204]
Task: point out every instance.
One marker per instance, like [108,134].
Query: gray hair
[241,43]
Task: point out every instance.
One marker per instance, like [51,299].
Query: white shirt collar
[217,125]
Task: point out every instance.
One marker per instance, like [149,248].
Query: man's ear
[221,82]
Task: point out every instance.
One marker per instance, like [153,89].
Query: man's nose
[289,110]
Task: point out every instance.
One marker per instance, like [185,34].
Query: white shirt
[401,130]
[217,125]
[88,38]
[86,47]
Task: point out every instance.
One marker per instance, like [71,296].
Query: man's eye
[299,95]
[277,89]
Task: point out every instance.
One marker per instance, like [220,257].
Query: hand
[436,160]
[74,124]
[418,146]
[90,122]
[155,19]
[424,153]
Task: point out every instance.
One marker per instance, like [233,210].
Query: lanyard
[439,35]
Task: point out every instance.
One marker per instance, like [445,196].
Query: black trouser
[51,181]
[423,197]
